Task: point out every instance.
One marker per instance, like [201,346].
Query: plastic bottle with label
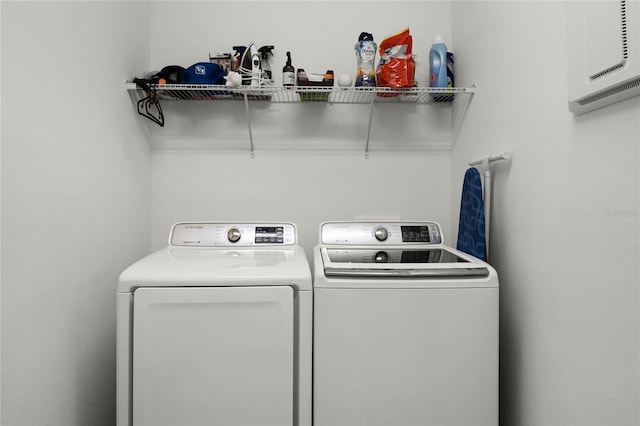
[438,63]
[366,54]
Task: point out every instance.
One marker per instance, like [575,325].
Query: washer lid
[399,262]
[212,267]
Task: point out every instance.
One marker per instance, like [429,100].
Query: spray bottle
[266,67]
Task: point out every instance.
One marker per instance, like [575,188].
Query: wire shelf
[301,94]
[296,94]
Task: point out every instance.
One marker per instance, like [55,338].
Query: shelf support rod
[457,125]
[366,148]
[246,108]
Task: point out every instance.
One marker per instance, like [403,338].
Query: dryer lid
[219,267]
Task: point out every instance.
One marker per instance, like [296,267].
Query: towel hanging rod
[491,158]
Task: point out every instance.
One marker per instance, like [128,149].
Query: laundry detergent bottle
[438,63]
[366,54]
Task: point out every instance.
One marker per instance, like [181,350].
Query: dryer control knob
[381,257]
[381,233]
[233,235]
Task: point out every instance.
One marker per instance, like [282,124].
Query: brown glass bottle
[288,73]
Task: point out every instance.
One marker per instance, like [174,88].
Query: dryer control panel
[380,233]
[228,234]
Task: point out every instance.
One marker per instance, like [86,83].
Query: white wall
[309,164]
[82,198]
[303,188]
[565,231]
[75,203]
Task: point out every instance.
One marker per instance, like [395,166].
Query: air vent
[623,21]
[613,91]
[608,70]
[603,53]
[623,39]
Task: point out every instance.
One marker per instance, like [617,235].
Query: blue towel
[471,229]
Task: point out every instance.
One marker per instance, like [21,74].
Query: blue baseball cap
[203,73]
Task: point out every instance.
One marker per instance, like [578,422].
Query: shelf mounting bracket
[457,125]
[248,113]
[366,148]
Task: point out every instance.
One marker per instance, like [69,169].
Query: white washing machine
[216,329]
[405,329]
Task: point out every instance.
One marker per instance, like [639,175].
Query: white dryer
[216,329]
[405,328]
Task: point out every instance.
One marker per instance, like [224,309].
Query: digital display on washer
[269,235]
[393,256]
[415,234]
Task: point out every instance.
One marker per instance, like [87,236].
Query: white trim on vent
[613,83]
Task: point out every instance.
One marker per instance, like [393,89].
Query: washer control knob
[381,257]
[233,235]
[381,233]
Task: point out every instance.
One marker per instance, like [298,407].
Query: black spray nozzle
[265,50]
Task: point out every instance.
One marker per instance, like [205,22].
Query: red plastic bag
[397,67]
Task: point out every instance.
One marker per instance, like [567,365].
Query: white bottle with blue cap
[438,63]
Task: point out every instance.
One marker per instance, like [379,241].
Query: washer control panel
[227,234]
[380,233]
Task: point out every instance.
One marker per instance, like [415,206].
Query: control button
[233,235]
[381,233]
[381,257]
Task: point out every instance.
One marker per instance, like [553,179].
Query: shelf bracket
[457,125]
[246,108]
[366,148]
